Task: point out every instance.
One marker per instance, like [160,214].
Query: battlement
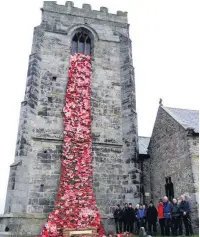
[85,11]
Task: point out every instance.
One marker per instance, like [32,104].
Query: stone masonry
[35,173]
[144,159]
[173,153]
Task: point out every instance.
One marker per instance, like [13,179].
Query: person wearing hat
[125,220]
[118,216]
[151,216]
[130,218]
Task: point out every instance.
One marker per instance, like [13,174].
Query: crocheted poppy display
[76,207]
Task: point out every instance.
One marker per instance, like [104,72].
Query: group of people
[170,217]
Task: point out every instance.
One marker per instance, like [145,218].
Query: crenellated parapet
[85,11]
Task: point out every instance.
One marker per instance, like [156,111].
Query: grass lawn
[171,236]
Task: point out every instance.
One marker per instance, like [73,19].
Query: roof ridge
[180,108]
[186,118]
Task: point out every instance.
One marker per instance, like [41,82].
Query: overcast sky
[166,57]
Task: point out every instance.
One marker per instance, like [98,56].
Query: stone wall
[170,157]
[44,176]
[116,172]
[193,141]
[146,182]
[23,225]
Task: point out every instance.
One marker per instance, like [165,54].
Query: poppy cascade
[76,207]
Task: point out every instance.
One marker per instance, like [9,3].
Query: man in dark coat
[130,218]
[185,213]
[180,228]
[125,210]
[176,215]
[151,217]
[145,214]
[118,216]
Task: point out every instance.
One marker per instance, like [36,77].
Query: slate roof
[143,145]
[187,118]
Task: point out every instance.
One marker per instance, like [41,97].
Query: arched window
[169,188]
[81,43]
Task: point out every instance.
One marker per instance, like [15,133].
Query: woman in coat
[161,217]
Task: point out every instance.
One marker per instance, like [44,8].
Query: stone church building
[123,170]
[170,158]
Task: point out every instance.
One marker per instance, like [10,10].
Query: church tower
[35,174]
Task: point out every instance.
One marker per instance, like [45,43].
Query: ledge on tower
[85,11]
